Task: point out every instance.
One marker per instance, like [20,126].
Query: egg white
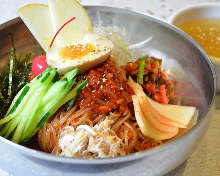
[103,48]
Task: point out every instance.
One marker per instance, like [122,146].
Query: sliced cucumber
[73,94]
[53,106]
[27,113]
[55,89]
[19,99]
[71,74]
[38,96]
[37,102]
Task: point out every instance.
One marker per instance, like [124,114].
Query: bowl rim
[188,8]
[130,157]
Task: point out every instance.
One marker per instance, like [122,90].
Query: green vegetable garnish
[13,78]
[20,98]
[75,93]
[37,102]
[141,68]
[12,57]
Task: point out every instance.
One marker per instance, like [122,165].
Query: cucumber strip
[35,106]
[27,113]
[40,75]
[44,78]
[19,104]
[12,125]
[37,102]
[34,85]
[141,70]
[14,103]
[41,110]
[20,98]
[75,93]
[77,89]
[5,128]
[42,121]
[48,76]
[70,104]
[21,115]
[44,92]
[45,71]
[71,95]
[55,89]
[56,77]
[71,74]
[54,105]
[49,81]
[5,119]
[59,96]
[22,104]
[18,131]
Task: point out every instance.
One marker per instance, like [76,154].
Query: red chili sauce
[106,90]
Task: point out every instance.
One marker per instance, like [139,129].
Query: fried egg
[85,54]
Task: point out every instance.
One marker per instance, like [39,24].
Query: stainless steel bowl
[182,57]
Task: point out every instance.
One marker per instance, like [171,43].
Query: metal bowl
[182,57]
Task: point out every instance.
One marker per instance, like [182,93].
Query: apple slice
[145,126]
[37,18]
[62,11]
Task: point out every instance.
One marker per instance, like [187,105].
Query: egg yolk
[76,51]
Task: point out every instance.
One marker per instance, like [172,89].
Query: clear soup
[206,31]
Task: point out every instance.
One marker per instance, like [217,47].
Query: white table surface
[205,161]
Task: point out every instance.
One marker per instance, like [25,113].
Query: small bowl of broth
[202,23]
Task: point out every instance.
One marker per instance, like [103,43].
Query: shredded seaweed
[13,78]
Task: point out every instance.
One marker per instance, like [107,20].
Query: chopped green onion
[141,68]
